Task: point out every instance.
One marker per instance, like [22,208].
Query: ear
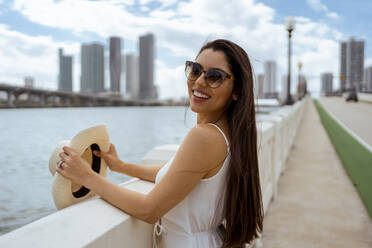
[235,96]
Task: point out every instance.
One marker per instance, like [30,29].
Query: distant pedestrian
[208,194]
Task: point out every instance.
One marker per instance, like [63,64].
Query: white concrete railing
[95,223]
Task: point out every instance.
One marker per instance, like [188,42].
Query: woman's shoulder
[206,136]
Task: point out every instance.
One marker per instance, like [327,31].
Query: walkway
[356,116]
[317,205]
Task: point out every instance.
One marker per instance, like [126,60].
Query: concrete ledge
[92,223]
[160,155]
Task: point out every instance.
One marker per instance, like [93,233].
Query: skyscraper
[283,93]
[146,67]
[92,68]
[131,76]
[269,89]
[259,86]
[343,48]
[368,78]
[327,81]
[29,82]
[65,72]
[115,63]
[352,64]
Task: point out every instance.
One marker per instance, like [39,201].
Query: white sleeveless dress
[189,223]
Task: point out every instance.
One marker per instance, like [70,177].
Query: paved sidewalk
[356,116]
[317,205]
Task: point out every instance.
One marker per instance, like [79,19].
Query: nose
[201,80]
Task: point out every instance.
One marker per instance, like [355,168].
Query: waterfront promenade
[317,204]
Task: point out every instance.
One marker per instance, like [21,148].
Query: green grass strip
[355,157]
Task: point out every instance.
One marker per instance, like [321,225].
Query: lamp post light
[290,25]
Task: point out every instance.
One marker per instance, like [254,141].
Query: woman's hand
[111,158]
[73,167]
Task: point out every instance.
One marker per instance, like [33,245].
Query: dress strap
[224,136]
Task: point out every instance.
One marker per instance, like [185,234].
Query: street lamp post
[290,25]
[300,83]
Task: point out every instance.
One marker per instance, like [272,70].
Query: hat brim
[65,193]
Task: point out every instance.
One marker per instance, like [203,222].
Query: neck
[210,118]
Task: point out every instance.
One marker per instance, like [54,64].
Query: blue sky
[31,31]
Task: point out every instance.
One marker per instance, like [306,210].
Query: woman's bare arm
[111,157]
[147,172]
[202,150]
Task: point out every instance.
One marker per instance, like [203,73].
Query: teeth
[201,95]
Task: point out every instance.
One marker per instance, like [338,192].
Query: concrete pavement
[316,205]
[356,116]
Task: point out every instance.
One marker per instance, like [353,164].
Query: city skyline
[326,83]
[181,28]
[147,89]
[66,62]
[92,68]
[270,75]
[368,78]
[115,63]
[354,63]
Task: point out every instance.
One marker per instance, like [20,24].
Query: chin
[194,108]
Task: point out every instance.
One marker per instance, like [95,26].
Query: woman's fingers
[112,148]
[69,151]
[64,156]
[100,154]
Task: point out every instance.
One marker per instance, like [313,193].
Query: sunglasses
[214,77]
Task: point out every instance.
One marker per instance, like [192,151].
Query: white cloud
[182,29]
[171,81]
[333,15]
[22,55]
[144,2]
[318,6]
[368,62]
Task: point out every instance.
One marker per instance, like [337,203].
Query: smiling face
[209,102]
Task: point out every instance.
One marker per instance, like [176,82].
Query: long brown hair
[242,205]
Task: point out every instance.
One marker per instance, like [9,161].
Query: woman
[208,194]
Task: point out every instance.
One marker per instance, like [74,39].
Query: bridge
[31,97]
[308,197]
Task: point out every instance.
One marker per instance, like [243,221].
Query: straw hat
[66,193]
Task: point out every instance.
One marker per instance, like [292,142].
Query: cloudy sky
[31,31]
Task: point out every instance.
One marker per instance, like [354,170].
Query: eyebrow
[221,69]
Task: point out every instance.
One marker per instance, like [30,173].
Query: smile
[200,95]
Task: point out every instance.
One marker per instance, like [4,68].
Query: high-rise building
[354,64]
[259,86]
[146,67]
[283,93]
[65,72]
[269,89]
[368,78]
[301,86]
[29,82]
[131,76]
[343,48]
[327,81]
[115,63]
[92,68]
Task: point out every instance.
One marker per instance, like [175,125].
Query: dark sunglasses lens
[214,78]
[192,70]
